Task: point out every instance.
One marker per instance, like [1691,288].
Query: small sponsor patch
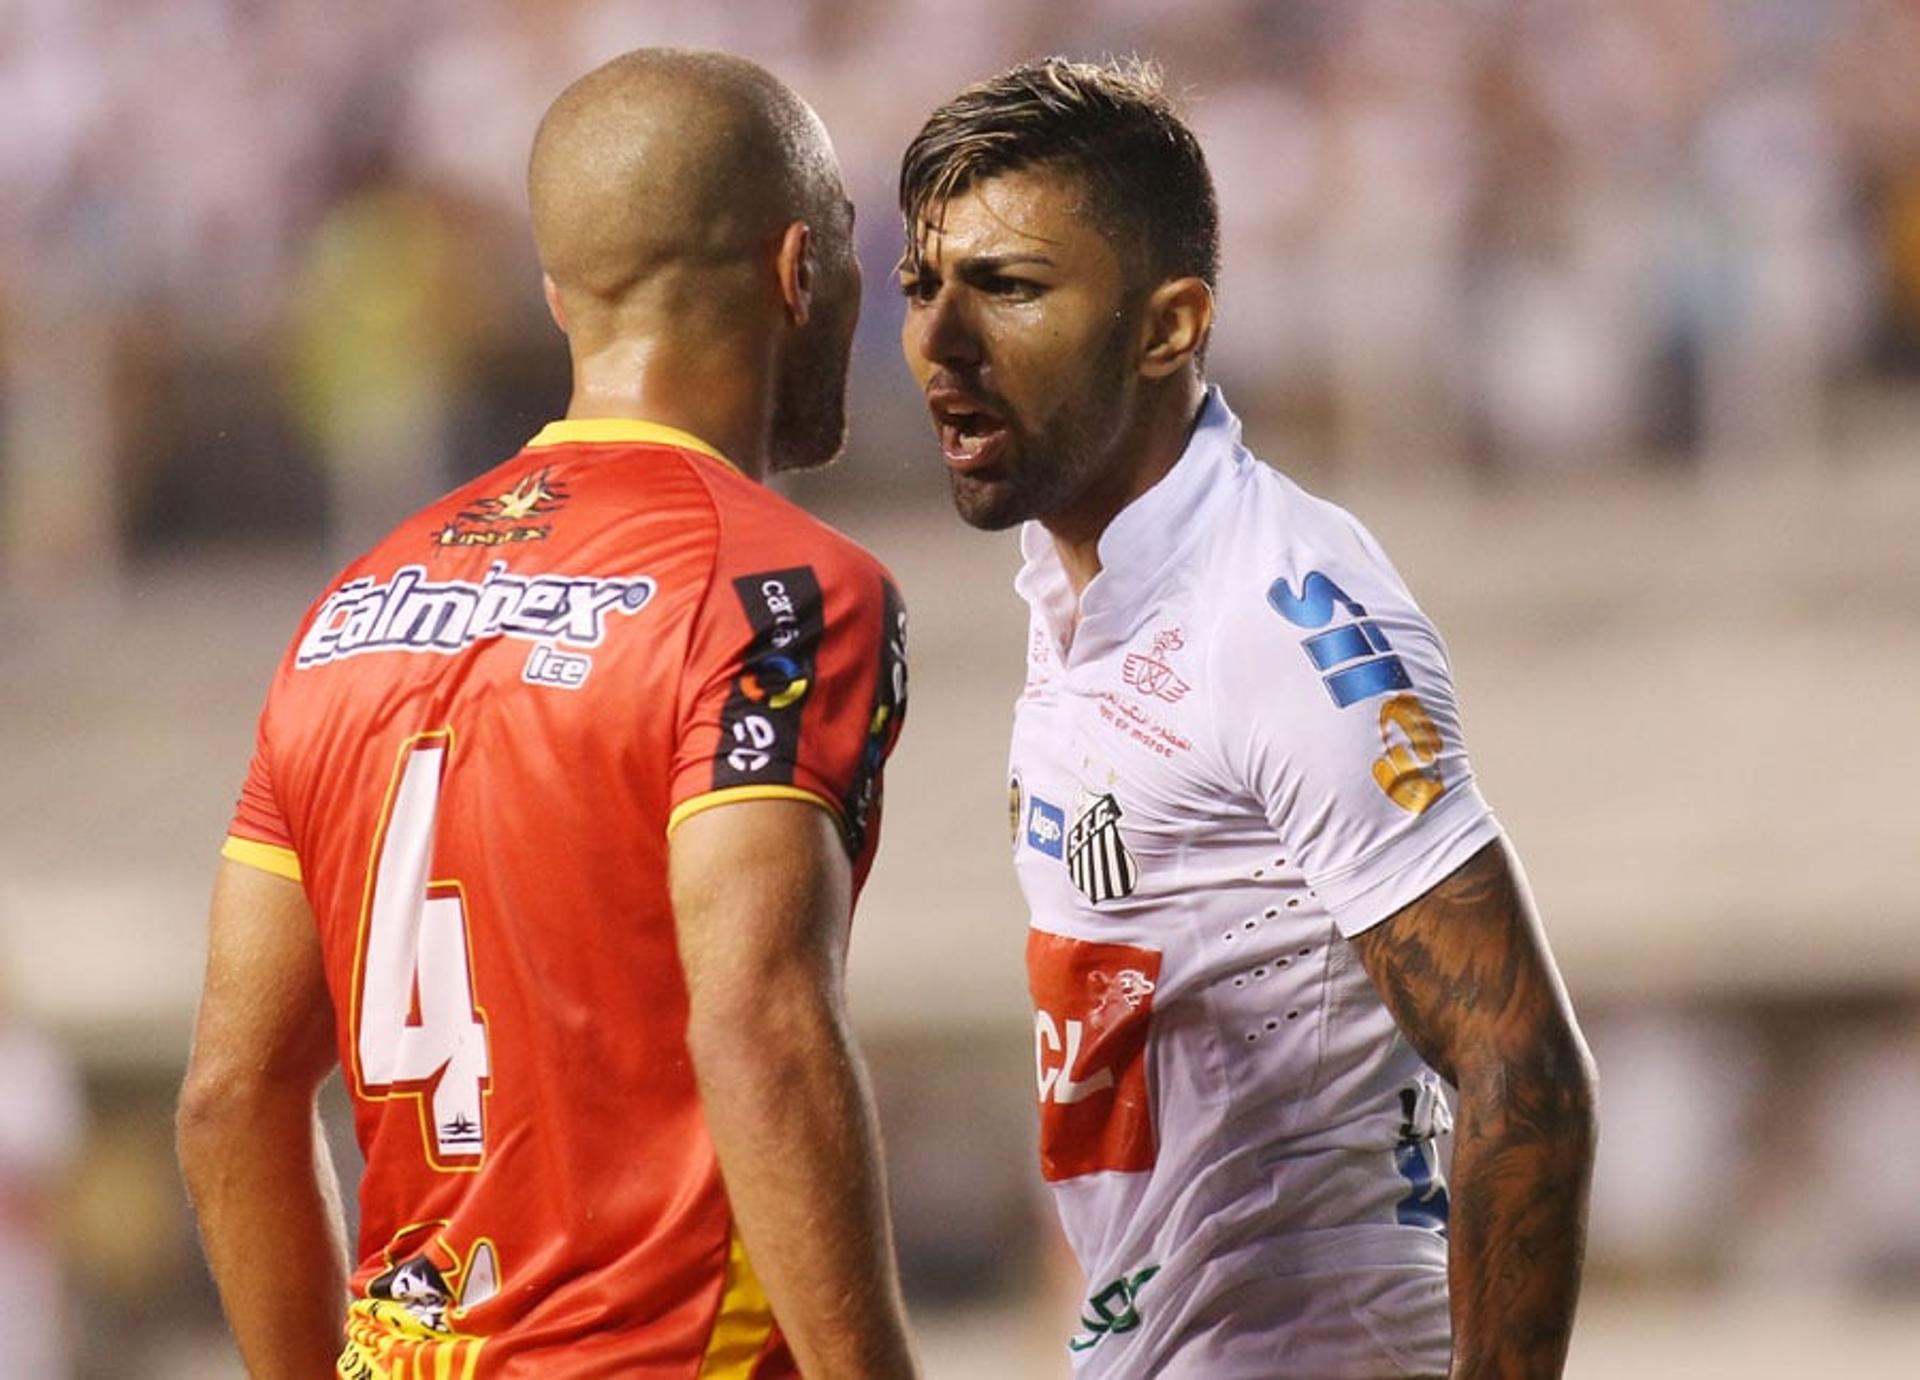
[548,665]
[508,518]
[760,725]
[1151,673]
[1097,856]
[1111,1310]
[1046,827]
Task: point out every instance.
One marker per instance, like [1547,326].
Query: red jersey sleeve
[259,835]
[795,684]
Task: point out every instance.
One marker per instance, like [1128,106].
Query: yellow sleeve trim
[268,857]
[686,809]
[621,431]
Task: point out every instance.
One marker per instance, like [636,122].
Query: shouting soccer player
[560,798]
[1270,909]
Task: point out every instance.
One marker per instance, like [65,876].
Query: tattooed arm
[1466,972]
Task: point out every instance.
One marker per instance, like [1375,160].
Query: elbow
[1567,1067]
[1544,1091]
[1567,1090]
[1565,1099]
[216,1105]
[203,1111]
[1584,1084]
[201,1118]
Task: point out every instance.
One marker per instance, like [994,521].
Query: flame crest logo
[507,517]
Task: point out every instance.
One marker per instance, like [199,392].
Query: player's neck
[1144,457]
[713,393]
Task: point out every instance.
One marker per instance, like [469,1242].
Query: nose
[940,331]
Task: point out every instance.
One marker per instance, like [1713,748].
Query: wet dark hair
[1110,125]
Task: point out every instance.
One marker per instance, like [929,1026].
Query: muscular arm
[249,1135]
[761,898]
[1466,973]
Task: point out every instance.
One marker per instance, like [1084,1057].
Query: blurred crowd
[265,265]
[265,276]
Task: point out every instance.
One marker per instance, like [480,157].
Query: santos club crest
[1097,857]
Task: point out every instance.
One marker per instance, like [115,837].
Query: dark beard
[809,413]
[1058,466]
[810,398]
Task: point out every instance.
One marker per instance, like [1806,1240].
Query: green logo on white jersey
[1112,1310]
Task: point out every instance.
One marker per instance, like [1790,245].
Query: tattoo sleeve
[1466,972]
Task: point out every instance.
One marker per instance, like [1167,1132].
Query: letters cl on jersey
[1092,1007]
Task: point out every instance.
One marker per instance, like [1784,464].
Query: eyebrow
[978,265]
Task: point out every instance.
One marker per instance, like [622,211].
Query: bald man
[559,802]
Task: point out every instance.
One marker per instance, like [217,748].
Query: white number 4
[417,1030]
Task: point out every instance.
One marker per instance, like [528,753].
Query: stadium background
[1605,316]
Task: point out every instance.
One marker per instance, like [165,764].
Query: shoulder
[1307,615]
[760,529]
[1287,532]
[1284,562]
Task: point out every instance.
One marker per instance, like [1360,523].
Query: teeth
[964,434]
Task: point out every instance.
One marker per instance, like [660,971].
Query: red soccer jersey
[471,757]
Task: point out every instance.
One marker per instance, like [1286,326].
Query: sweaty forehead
[1022,212]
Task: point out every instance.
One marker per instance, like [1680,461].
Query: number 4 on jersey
[417,1031]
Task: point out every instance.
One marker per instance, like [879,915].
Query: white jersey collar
[1144,538]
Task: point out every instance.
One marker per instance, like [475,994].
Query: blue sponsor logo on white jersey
[1046,827]
[1355,659]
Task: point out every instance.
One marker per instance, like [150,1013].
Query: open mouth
[971,438]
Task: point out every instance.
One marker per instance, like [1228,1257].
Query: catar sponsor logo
[761,722]
[782,618]
[410,613]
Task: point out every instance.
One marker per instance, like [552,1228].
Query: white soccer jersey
[1248,750]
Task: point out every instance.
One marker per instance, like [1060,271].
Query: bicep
[761,894]
[1467,974]
[265,1014]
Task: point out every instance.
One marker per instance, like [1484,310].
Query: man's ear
[793,265]
[1178,316]
[554,309]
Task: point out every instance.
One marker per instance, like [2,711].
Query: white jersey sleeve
[1345,729]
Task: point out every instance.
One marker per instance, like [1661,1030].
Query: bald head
[667,159]
[698,245]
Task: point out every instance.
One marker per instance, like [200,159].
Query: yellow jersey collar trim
[621,431]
